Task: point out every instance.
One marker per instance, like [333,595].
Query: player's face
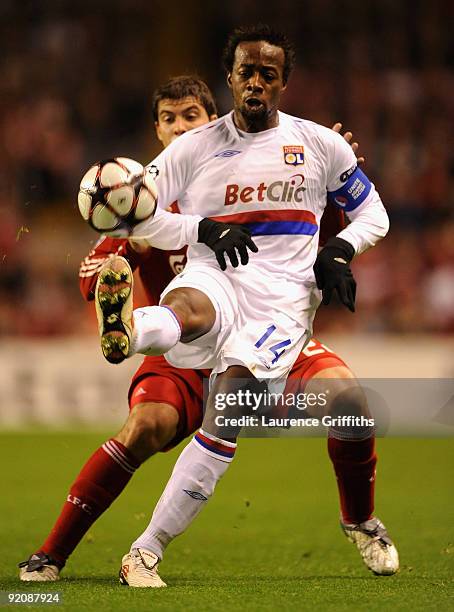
[175,117]
[257,84]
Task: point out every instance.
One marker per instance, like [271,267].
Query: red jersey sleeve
[90,266]
[156,268]
[333,221]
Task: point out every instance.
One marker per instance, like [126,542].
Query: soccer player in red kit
[165,402]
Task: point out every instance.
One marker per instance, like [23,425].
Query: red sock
[99,483]
[354,464]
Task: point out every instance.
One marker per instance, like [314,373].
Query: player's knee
[194,309]
[342,391]
[349,401]
[350,416]
[149,428]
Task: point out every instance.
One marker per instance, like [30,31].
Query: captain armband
[353,192]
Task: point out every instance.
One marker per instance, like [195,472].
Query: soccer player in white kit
[270,172]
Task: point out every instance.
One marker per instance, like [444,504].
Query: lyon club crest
[294,155]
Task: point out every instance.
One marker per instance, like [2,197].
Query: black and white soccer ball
[115,195]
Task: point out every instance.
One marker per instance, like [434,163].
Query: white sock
[156,330]
[198,469]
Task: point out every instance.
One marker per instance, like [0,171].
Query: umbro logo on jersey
[196,495]
[227,153]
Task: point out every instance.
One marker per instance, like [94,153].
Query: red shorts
[158,381]
[314,358]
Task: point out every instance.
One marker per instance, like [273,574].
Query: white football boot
[139,568]
[375,546]
[114,308]
[39,568]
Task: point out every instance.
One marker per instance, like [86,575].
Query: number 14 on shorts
[277,349]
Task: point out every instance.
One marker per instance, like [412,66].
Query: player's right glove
[332,271]
[226,239]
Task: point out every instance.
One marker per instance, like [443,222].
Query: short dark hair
[255,33]
[184,86]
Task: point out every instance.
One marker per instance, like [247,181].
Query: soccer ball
[115,195]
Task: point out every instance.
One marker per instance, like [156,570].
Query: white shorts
[251,331]
[204,352]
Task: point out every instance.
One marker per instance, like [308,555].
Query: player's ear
[284,79]
[213,117]
[229,79]
[157,128]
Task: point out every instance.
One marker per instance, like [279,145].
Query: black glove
[332,271]
[224,238]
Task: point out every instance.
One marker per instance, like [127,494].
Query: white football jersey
[275,182]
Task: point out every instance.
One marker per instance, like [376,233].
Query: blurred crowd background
[76,84]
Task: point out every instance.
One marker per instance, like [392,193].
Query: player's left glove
[332,271]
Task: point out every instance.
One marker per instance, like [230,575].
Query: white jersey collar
[251,137]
